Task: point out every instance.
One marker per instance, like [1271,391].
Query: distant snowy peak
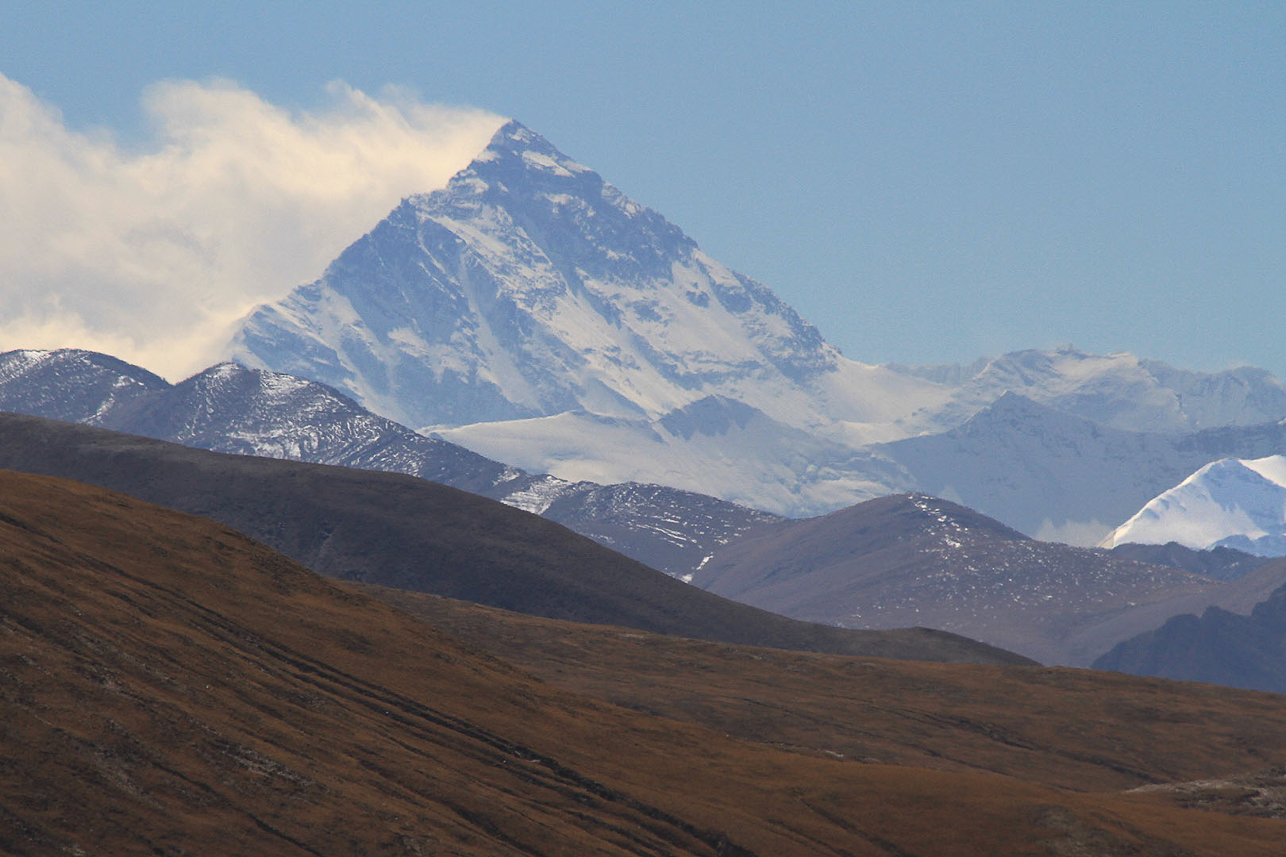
[530,287]
[1236,503]
[1116,390]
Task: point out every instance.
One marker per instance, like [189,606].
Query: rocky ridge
[229,408]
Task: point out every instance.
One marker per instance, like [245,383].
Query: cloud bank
[151,252]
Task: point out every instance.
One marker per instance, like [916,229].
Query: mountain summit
[530,287]
[534,314]
[1235,503]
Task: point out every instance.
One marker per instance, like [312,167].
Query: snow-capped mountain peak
[529,287]
[533,312]
[1236,503]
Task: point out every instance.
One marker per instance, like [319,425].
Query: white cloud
[1081,534]
[151,252]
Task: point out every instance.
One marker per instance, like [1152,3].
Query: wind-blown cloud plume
[150,252]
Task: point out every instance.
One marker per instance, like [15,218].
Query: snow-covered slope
[1058,476]
[1237,503]
[1119,391]
[71,384]
[529,287]
[714,445]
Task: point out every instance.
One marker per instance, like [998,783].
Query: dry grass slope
[168,685]
[1067,728]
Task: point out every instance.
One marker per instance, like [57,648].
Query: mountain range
[408,533]
[1039,470]
[229,408]
[1007,587]
[532,312]
[528,348]
[918,560]
[1062,477]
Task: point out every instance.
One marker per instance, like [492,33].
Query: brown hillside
[911,559]
[167,685]
[1071,728]
[396,530]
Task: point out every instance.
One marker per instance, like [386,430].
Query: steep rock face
[529,287]
[1233,503]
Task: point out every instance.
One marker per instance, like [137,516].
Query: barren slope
[170,686]
[1078,729]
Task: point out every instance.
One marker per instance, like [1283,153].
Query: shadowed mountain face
[407,533]
[1218,647]
[170,686]
[914,559]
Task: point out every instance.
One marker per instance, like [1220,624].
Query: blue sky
[926,182]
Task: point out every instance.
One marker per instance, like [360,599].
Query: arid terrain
[1070,728]
[171,686]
